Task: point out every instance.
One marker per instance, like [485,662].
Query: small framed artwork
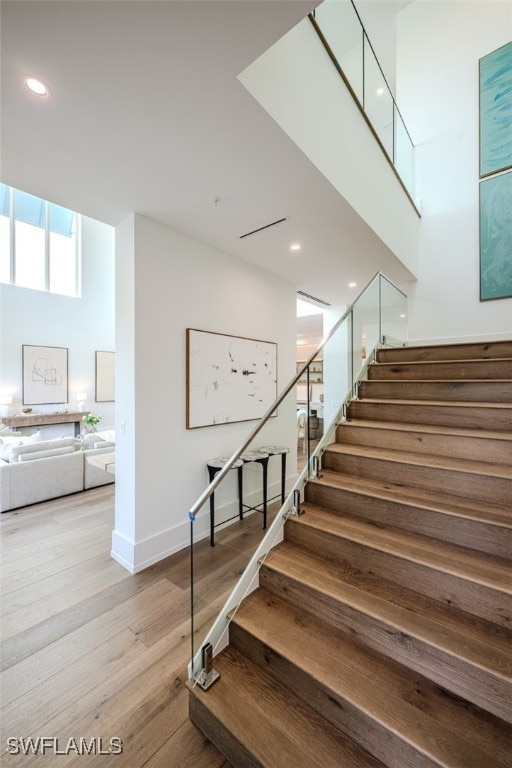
[45,375]
[496,237]
[229,378]
[105,386]
[496,111]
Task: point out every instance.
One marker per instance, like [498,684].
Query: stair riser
[219,735]
[474,598]
[494,451]
[451,391]
[475,369]
[464,417]
[340,712]
[454,674]
[449,481]
[478,351]
[483,537]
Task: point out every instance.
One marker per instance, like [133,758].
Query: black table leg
[283,476]
[264,464]
[240,493]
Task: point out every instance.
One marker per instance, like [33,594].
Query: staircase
[380,632]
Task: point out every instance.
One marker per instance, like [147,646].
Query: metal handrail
[203,498]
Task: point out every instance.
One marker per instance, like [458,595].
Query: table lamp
[5,402]
[81,398]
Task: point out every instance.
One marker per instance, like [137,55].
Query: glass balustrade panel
[378,102]
[365,327]
[231,524]
[393,313]
[343,31]
[404,153]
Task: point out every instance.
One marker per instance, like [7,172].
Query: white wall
[296,82]
[83,325]
[439,45]
[167,282]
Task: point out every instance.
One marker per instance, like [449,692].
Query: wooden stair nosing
[443,655]
[443,370]
[481,532]
[480,595]
[466,466]
[258,731]
[484,416]
[448,351]
[334,675]
[451,475]
[480,512]
[474,445]
[470,566]
[450,390]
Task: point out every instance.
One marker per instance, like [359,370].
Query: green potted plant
[90,422]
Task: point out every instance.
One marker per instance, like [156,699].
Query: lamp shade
[5,399]
[81,396]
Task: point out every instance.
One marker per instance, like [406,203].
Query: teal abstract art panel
[496,111]
[496,237]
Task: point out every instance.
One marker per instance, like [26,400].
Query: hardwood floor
[89,650]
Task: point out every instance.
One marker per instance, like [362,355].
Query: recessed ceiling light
[352,285]
[295,247]
[37,87]
[403,315]
[380,91]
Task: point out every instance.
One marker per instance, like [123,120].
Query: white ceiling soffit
[147,115]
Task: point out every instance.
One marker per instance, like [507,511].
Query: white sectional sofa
[31,472]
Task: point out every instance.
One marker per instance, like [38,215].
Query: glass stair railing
[272,466]
[344,37]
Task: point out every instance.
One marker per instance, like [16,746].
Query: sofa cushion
[18,450]
[31,455]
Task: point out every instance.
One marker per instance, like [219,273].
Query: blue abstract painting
[496,111]
[496,237]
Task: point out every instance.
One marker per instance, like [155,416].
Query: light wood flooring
[89,650]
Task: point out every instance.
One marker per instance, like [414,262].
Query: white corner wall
[439,45]
[83,325]
[167,282]
[297,84]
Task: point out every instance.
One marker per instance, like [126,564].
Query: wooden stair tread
[430,428]
[439,403]
[273,724]
[424,460]
[461,361]
[418,497]
[450,351]
[475,567]
[323,577]
[363,678]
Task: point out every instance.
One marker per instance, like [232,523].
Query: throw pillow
[35,438]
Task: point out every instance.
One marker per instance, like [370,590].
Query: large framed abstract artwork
[105,384]
[229,378]
[496,237]
[45,375]
[496,111]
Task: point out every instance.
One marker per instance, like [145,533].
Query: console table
[42,419]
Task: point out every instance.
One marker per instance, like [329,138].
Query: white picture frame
[229,378]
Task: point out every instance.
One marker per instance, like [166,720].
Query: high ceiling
[147,115]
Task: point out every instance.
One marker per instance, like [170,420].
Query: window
[39,243]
